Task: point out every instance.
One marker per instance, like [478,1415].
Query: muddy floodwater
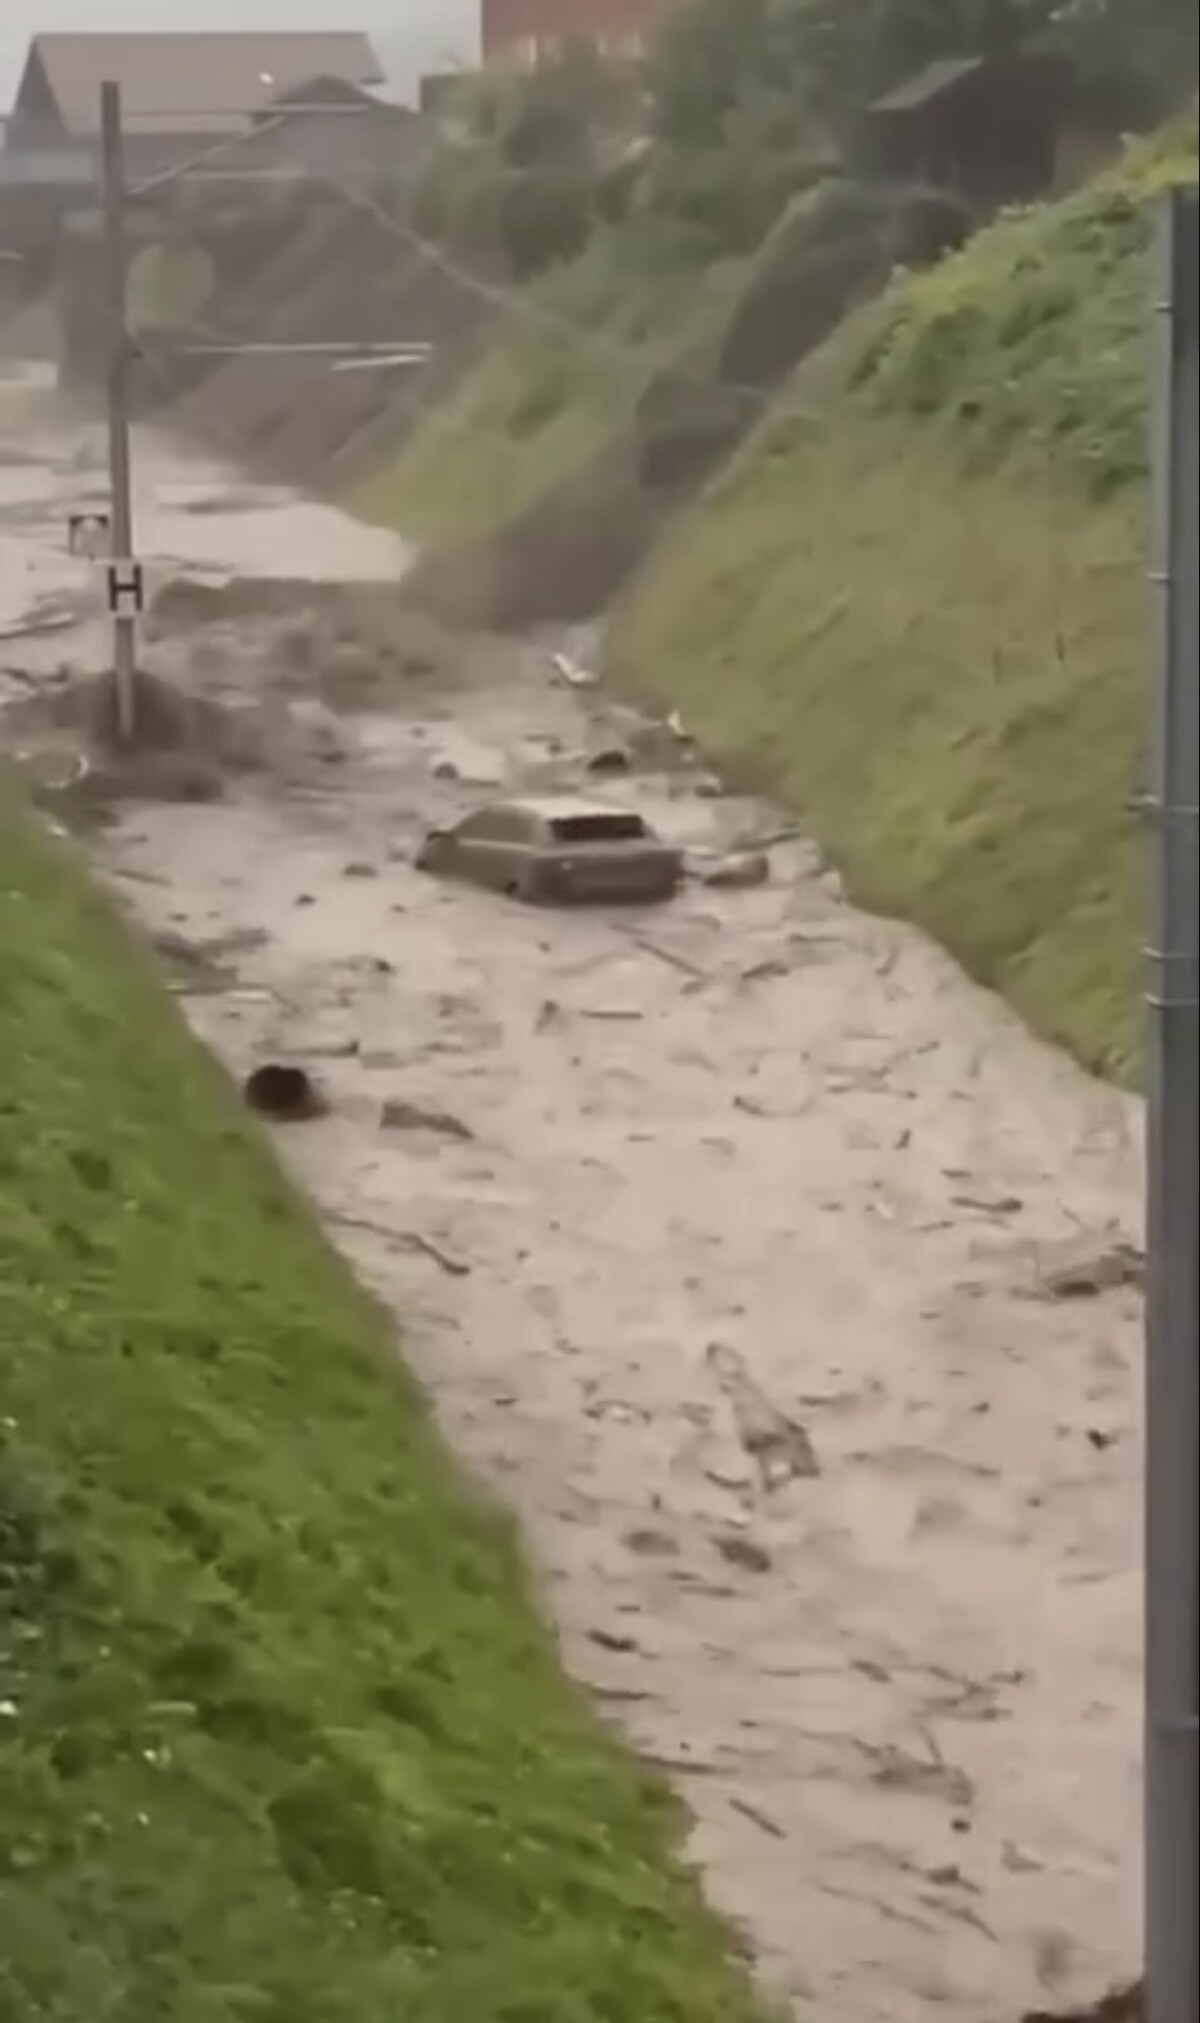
[759,1261]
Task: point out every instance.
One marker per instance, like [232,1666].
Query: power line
[509,298]
[523,304]
[513,300]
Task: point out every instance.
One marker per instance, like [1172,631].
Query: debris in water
[768,970]
[1084,1275]
[932,1777]
[50,614]
[673,957]
[454,1267]
[740,872]
[407,1239]
[982,1204]
[779,1447]
[611,759]
[284,1094]
[743,1552]
[762,1820]
[615,1641]
[650,1544]
[398,1115]
[572,673]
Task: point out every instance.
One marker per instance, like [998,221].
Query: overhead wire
[520,303]
[513,300]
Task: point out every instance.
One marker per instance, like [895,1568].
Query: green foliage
[1034,334]
[713,57]
[828,62]
[524,172]
[280,1736]
[916,607]
[746,102]
[1150,44]
[545,219]
[955,563]
[565,375]
[943,671]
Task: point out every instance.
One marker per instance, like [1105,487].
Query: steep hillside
[565,375]
[620,385]
[308,270]
[916,606]
[280,1736]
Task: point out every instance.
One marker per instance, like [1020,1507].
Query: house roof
[175,82]
[320,92]
[333,95]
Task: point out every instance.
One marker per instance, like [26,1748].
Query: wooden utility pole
[124,578]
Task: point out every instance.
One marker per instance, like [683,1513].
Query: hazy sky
[411,35]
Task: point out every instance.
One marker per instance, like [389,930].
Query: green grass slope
[281,1740]
[916,605]
[577,351]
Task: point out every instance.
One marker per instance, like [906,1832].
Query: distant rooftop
[174,82]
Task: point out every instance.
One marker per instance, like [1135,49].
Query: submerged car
[556,852]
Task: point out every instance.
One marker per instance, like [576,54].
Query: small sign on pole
[126,588]
[89,535]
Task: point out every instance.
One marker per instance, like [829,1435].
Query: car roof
[558,807]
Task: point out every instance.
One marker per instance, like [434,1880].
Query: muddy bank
[340,272]
[757,1259]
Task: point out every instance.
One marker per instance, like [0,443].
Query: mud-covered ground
[768,1269]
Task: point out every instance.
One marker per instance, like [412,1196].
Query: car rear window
[604,828]
[496,825]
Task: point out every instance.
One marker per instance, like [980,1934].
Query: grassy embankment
[917,608]
[281,1740]
[577,352]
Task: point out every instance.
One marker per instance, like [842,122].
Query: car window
[617,827]
[494,825]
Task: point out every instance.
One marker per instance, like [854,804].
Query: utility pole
[1173,1125]
[124,578]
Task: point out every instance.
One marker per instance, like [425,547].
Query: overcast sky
[412,36]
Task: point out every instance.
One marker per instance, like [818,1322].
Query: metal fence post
[1173,1123]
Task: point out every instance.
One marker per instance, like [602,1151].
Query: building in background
[994,130]
[531,31]
[327,130]
[181,93]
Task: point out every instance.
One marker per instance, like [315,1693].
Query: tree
[827,60]
[827,57]
[1150,44]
